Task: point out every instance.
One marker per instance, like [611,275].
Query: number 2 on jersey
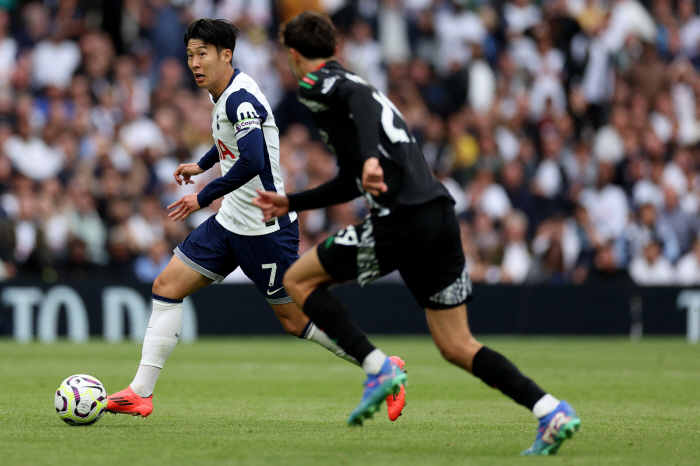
[388,109]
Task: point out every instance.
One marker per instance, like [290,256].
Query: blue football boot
[554,428]
[387,382]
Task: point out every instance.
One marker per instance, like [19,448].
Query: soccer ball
[81,400]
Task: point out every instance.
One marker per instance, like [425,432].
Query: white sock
[374,361]
[544,406]
[315,334]
[145,380]
[161,337]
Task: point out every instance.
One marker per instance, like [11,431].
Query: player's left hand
[271,204]
[185,206]
[185,171]
[373,177]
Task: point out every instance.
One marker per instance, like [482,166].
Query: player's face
[207,66]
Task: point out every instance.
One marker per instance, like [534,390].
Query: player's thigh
[433,264]
[266,258]
[177,280]
[359,252]
[305,275]
[207,251]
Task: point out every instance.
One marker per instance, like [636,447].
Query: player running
[411,227]
[246,143]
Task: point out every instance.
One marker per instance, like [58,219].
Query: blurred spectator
[605,268]
[151,263]
[31,155]
[651,268]
[688,267]
[606,203]
[686,226]
[568,132]
[548,268]
[55,59]
[637,235]
[516,257]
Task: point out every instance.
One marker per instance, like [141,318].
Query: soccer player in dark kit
[411,228]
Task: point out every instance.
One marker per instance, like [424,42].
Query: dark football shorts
[422,242]
[215,252]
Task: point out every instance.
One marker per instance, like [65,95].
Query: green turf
[277,401]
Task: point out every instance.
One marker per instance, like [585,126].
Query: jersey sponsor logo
[328,84]
[246,111]
[224,151]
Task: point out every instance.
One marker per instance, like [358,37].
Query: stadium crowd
[568,131]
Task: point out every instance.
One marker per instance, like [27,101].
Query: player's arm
[336,191]
[187,170]
[250,163]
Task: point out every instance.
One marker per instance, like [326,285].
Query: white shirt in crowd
[660,273]
[607,208]
[688,270]
[53,63]
[33,157]
[516,261]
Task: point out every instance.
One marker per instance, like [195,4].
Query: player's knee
[290,281]
[450,352]
[460,353]
[291,327]
[159,286]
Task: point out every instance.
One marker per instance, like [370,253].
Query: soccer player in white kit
[246,144]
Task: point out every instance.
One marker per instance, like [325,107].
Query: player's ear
[227,55]
[296,56]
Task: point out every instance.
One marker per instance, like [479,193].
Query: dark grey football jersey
[358,122]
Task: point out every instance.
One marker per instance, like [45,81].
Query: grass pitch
[283,401]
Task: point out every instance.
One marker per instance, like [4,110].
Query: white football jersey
[241,108]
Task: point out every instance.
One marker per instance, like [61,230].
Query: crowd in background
[568,131]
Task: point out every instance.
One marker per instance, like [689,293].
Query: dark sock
[498,372]
[330,315]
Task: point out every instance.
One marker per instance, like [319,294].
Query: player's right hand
[373,177]
[185,171]
[271,204]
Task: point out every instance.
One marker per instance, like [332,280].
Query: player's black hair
[220,33]
[311,34]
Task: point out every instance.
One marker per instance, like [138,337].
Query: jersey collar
[236,72]
[329,64]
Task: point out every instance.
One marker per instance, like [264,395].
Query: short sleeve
[245,112]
